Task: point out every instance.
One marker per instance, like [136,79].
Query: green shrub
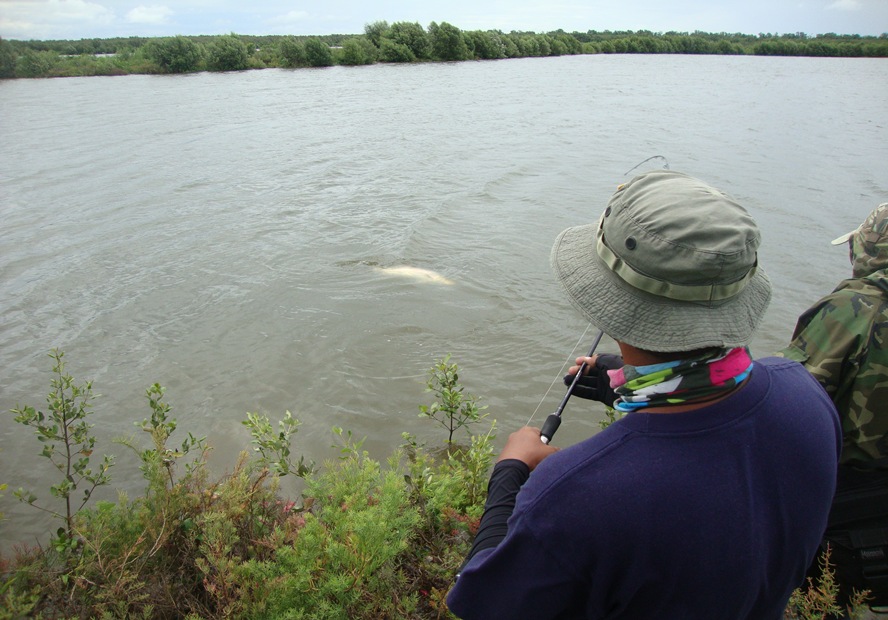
[227,53]
[367,540]
[389,51]
[274,448]
[411,35]
[343,562]
[175,54]
[357,51]
[817,600]
[452,409]
[68,444]
[292,53]
[318,53]
[8,56]
[448,42]
[36,64]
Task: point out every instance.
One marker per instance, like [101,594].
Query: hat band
[670,290]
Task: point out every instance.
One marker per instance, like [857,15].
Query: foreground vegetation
[367,539]
[399,42]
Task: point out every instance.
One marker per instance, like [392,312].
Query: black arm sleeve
[505,482]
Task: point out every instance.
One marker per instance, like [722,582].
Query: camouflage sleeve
[827,340]
[843,342]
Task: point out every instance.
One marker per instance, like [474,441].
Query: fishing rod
[554,420]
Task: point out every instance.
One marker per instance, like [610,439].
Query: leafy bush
[376,31]
[36,64]
[817,599]
[411,35]
[175,54]
[227,53]
[318,53]
[358,51]
[8,56]
[448,42]
[389,51]
[451,408]
[343,562]
[367,539]
[68,444]
[292,53]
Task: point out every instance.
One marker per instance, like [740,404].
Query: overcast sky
[77,19]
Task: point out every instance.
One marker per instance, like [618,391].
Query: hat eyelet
[631,243]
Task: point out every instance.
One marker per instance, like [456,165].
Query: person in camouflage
[843,342]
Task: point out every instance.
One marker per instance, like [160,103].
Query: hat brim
[843,239]
[647,321]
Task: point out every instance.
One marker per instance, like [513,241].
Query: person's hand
[525,445]
[594,384]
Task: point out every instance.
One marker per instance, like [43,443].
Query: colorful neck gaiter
[681,381]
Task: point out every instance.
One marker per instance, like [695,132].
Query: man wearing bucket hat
[709,497]
[843,341]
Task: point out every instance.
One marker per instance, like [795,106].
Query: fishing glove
[596,384]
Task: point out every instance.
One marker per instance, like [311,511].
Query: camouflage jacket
[843,341]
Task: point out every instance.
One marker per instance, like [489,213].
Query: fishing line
[554,420]
[665,163]
[560,374]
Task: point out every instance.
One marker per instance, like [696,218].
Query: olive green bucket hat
[670,266]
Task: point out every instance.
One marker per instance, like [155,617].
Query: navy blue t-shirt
[714,513]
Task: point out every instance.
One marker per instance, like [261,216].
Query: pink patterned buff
[681,381]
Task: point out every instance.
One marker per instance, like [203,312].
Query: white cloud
[845,5]
[46,19]
[154,14]
[75,19]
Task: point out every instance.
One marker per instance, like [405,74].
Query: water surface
[220,233]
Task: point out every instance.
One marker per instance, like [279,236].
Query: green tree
[292,53]
[485,45]
[318,53]
[175,54]
[36,64]
[557,48]
[545,44]
[376,31]
[448,42]
[510,48]
[413,36]
[389,51]
[358,51]
[68,443]
[727,48]
[8,57]
[527,46]
[453,408]
[227,53]
[819,48]
[571,44]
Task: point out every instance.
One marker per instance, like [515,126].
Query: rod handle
[551,425]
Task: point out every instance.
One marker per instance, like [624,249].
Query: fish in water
[415,273]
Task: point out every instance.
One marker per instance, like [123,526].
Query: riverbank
[399,42]
[366,540]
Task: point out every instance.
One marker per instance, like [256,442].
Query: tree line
[399,42]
